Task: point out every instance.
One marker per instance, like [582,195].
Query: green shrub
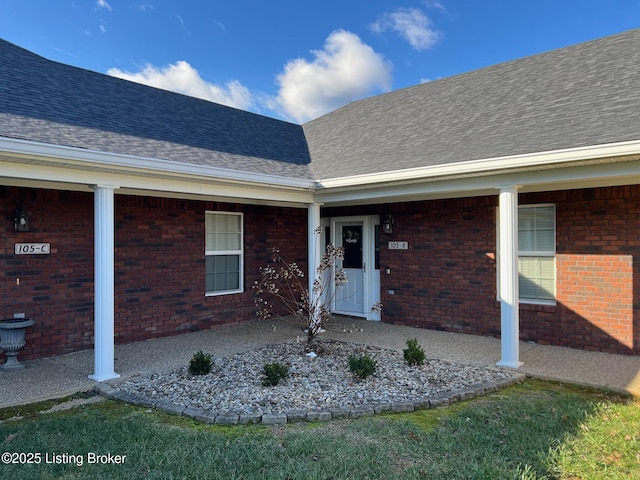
[200,364]
[362,366]
[272,373]
[414,353]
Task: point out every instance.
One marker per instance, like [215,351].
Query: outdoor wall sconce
[21,219]
[387,225]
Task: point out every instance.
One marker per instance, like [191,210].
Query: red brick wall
[159,257]
[55,290]
[446,280]
[597,269]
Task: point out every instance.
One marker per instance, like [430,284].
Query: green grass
[531,431]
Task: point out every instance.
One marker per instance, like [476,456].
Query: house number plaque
[398,245]
[33,248]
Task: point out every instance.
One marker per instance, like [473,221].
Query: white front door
[358,236]
[350,297]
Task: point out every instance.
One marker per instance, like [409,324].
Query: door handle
[364,267]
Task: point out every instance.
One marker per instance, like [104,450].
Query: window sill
[226,292]
[531,306]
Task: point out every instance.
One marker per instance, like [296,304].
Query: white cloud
[411,24]
[183,78]
[434,4]
[103,4]
[219,24]
[344,70]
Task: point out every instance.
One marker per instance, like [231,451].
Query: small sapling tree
[284,284]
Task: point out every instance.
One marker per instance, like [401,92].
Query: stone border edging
[301,415]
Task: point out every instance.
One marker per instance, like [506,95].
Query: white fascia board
[49,176]
[486,166]
[61,154]
[570,177]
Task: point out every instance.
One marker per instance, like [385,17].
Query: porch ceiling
[36,165]
[483,178]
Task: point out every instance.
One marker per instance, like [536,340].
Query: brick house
[503,202]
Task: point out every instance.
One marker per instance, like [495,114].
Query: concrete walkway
[63,375]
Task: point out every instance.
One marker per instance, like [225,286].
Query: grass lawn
[533,430]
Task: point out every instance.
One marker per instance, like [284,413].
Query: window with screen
[223,253]
[536,253]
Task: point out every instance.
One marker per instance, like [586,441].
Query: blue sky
[299,59]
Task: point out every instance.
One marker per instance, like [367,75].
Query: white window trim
[521,253]
[239,252]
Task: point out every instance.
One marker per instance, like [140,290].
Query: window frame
[530,254]
[539,254]
[215,253]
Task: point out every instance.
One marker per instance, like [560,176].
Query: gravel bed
[321,383]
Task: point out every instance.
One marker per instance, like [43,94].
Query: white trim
[541,253]
[46,166]
[370,296]
[240,252]
[521,253]
[488,165]
[69,156]
[28,149]
[572,177]
[35,175]
[545,303]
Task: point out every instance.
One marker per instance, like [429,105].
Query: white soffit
[61,165]
[443,182]
[91,159]
[612,164]
[609,153]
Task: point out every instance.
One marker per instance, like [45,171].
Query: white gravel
[320,383]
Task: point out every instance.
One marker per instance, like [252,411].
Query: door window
[352,243]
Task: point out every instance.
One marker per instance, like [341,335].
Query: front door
[350,297]
[357,235]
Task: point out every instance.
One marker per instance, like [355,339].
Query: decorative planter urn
[12,331]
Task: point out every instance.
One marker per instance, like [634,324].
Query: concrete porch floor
[64,375]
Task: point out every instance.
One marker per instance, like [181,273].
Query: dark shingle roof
[584,95]
[45,101]
[588,94]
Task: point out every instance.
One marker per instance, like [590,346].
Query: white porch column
[104,280]
[508,259]
[314,244]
